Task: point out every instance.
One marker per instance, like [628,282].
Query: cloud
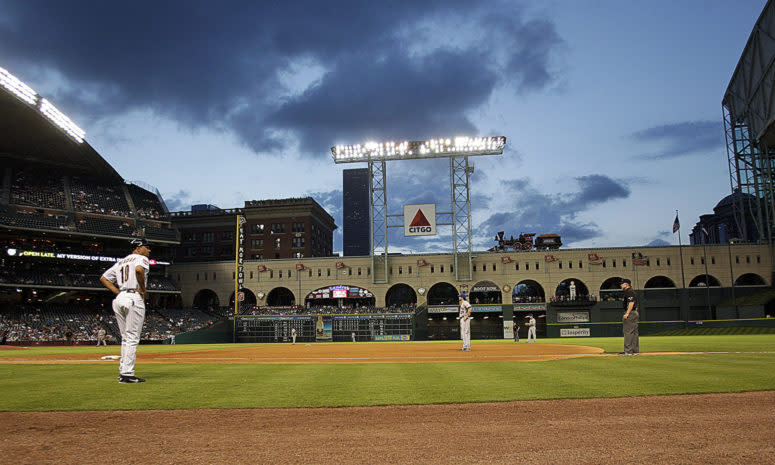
[282,76]
[542,213]
[682,139]
[178,201]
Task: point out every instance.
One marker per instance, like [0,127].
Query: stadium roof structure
[28,136]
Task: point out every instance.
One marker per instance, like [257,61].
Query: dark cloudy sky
[612,109]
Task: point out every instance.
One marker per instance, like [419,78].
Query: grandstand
[65,216]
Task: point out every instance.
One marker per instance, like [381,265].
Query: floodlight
[406,150]
[51,112]
[18,88]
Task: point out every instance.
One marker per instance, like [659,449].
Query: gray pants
[630,328]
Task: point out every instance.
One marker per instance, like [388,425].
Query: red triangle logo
[419,219]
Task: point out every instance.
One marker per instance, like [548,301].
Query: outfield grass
[178,386]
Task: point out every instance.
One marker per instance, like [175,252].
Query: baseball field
[685,399]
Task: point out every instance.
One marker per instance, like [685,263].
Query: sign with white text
[420,220]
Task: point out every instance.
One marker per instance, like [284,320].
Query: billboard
[420,220]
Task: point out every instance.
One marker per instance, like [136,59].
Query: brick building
[281,228]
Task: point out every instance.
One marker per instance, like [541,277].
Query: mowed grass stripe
[185,386]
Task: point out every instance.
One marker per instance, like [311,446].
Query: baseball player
[101,333]
[531,328]
[293,335]
[516,332]
[127,279]
[465,322]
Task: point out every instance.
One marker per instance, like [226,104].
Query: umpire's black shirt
[629,296]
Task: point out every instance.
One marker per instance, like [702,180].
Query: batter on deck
[127,279]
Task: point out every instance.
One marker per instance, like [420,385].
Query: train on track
[527,241]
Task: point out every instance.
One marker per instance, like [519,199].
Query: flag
[676,224]
[506,259]
[422,262]
[707,234]
[300,267]
[340,265]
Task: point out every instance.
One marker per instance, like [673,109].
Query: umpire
[630,319]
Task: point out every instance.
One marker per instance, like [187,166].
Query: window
[278,228]
[603,263]
[691,260]
[297,242]
[559,265]
[257,228]
[271,274]
[570,265]
[328,271]
[484,267]
[668,262]
[474,267]
[257,243]
[579,263]
[319,273]
[350,271]
[409,271]
[359,271]
[527,266]
[277,243]
[493,267]
[516,266]
[713,260]
[280,274]
[657,262]
[297,227]
[432,268]
[207,250]
[624,262]
[208,236]
[251,275]
[748,259]
[227,235]
[702,261]
[737,259]
[536,265]
[400,270]
[189,236]
[213,275]
[758,259]
[197,276]
[441,269]
[613,263]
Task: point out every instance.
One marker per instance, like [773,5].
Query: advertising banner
[420,220]
[573,317]
[574,332]
[392,337]
[323,331]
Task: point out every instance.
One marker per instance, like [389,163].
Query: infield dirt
[691,429]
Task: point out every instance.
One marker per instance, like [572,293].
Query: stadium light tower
[458,150]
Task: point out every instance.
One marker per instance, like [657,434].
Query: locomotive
[527,241]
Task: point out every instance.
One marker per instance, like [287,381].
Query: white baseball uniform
[531,331]
[101,333]
[129,307]
[293,334]
[465,324]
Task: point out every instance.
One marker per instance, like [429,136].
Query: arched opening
[248,301]
[528,291]
[750,279]
[206,298]
[611,289]
[485,292]
[659,282]
[340,298]
[443,294]
[704,280]
[280,297]
[571,289]
[401,296]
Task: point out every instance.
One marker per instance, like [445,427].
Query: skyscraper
[355,193]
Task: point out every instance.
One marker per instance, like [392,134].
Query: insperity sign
[420,220]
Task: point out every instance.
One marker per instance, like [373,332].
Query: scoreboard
[312,328]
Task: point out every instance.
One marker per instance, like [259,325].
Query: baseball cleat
[130,379]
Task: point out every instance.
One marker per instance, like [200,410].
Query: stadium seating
[38,188]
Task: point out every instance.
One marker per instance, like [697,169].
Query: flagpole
[683,277]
